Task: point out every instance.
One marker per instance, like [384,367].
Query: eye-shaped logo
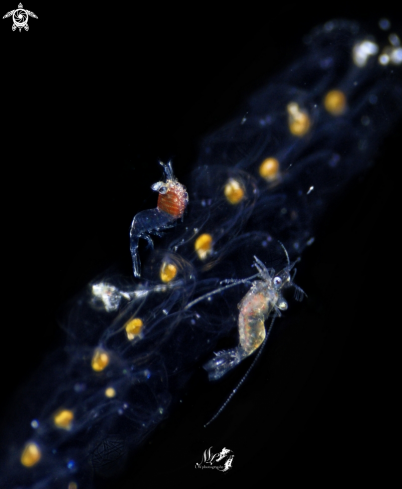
[20,17]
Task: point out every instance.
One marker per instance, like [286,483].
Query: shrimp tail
[223,361]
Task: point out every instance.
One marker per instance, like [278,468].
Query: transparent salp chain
[260,186]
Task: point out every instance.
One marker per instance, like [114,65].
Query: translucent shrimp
[172,202]
[263,298]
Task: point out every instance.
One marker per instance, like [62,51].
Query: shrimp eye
[159,187]
[277,281]
[283,305]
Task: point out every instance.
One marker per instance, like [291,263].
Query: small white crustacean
[263,298]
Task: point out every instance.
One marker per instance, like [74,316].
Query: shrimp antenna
[168,170]
[285,250]
[234,391]
[232,283]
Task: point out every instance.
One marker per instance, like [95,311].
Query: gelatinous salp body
[131,346]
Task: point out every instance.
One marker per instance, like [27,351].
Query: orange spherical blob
[168,272]
[134,328]
[31,455]
[203,246]
[100,360]
[110,392]
[63,419]
[335,102]
[234,191]
[269,169]
[298,120]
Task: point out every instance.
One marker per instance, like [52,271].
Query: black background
[92,98]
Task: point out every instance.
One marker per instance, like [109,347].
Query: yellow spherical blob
[110,392]
[335,102]
[72,485]
[298,120]
[203,246]
[168,272]
[134,328]
[234,191]
[269,169]
[31,455]
[63,419]
[100,360]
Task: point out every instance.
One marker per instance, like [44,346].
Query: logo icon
[221,461]
[20,17]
